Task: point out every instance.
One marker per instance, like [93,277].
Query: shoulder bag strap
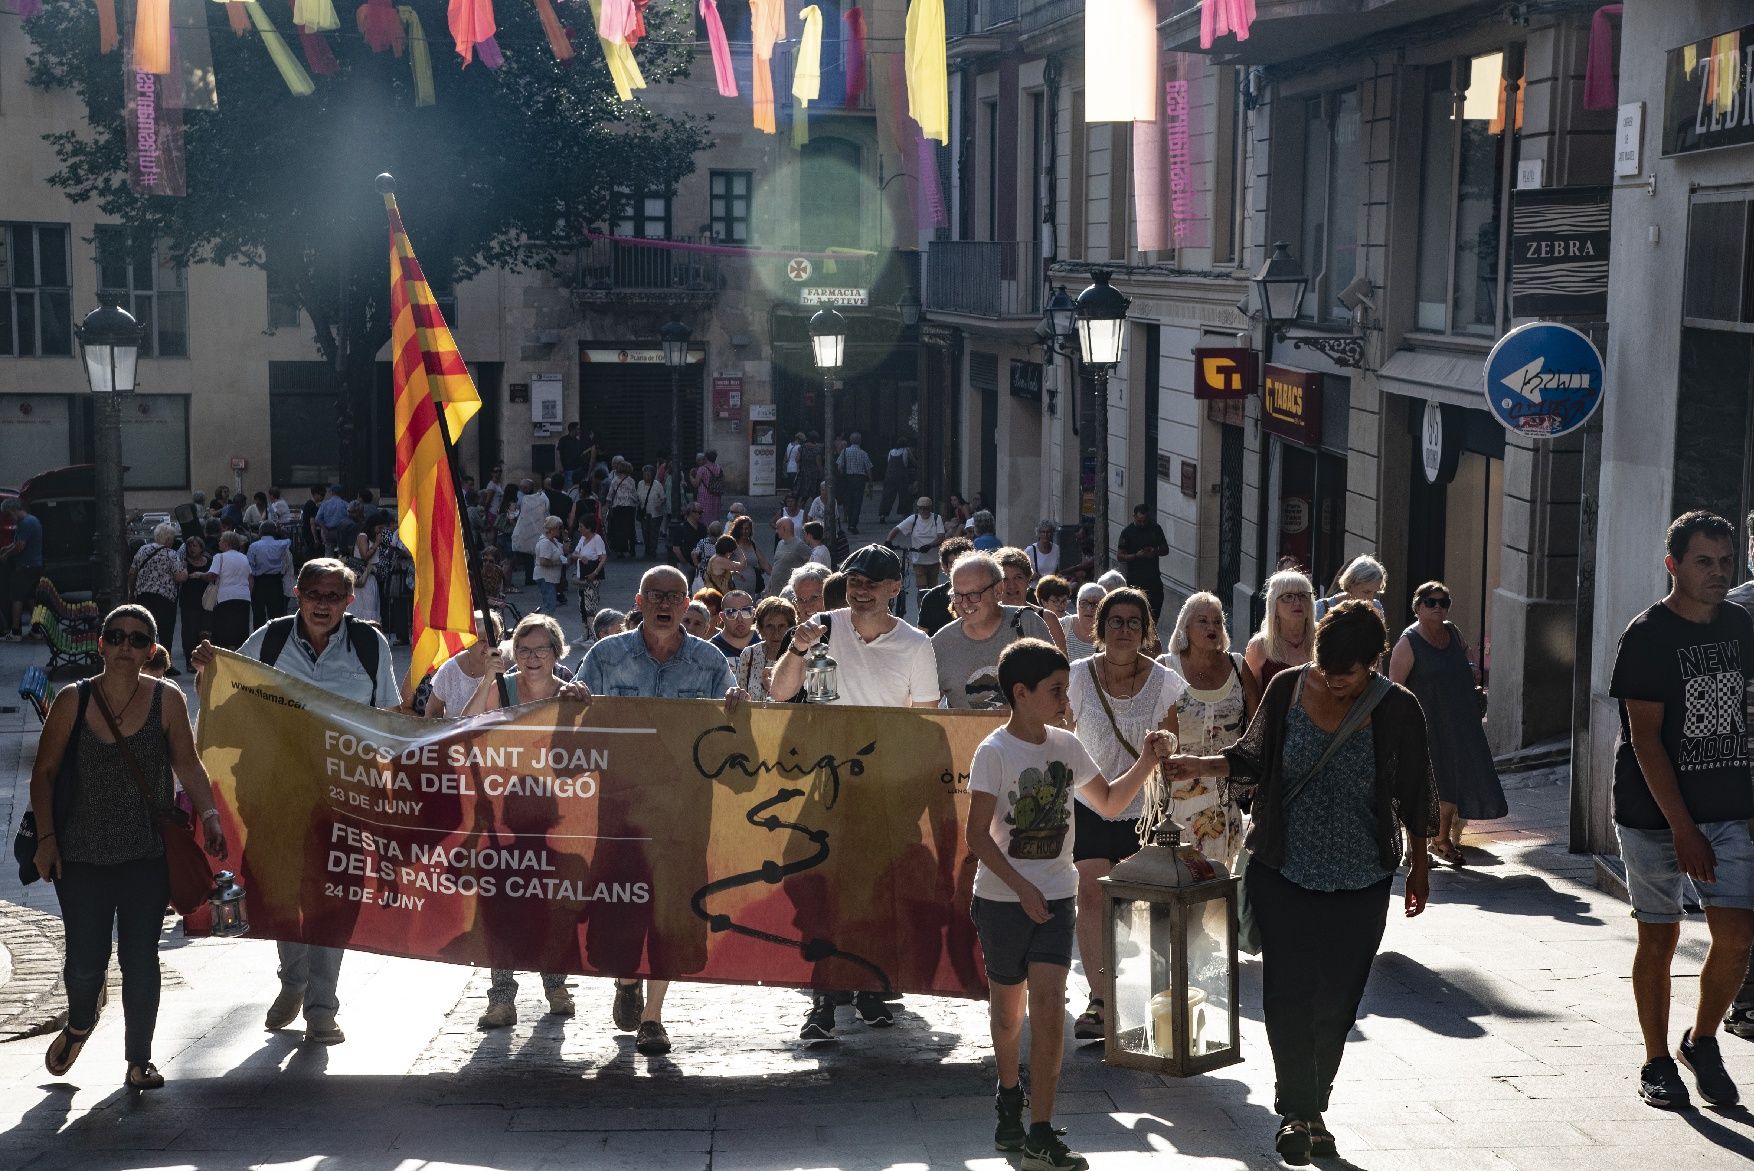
[1375,690]
[134,769]
[1102,697]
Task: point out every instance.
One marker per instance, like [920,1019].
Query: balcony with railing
[684,269]
[984,278]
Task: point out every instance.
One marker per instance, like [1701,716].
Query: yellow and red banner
[428,375]
[794,845]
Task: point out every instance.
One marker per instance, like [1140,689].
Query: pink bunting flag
[381,27]
[1221,17]
[472,25]
[1600,90]
[723,73]
[855,22]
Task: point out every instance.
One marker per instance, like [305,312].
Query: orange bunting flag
[152,37]
[428,376]
[107,35]
[556,33]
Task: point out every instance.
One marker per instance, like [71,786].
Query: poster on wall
[546,408]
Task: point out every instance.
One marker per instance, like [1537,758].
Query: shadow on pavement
[1513,894]
[1449,1003]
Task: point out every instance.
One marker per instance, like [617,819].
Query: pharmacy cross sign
[1543,380]
[799,268]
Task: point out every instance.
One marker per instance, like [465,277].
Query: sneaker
[630,1002]
[652,1040]
[819,1025]
[1739,1021]
[560,1003]
[1707,1063]
[1044,1150]
[323,1031]
[1010,1133]
[872,1010]
[1292,1142]
[285,1009]
[1660,1085]
[498,1016]
[1089,1025]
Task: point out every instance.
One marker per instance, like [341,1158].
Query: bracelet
[792,649]
[41,838]
[213,813]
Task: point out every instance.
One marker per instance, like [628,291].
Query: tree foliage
[506,169]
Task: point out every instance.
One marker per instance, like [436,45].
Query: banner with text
[794,845]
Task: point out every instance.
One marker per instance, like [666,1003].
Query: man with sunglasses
[322,645]
[657,660]
[738,614]
[884,662]
[968,649]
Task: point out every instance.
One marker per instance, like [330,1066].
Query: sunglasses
[1435,603]
[323,597]
[739,612]
[116,637]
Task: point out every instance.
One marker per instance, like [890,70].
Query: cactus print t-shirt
[1032,820]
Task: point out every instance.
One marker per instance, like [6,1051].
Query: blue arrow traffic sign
[1543,380]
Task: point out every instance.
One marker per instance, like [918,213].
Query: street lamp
[1061,315]
[1279,287]
[909,308]
[109,342]
[1102,329]
[828,341]
[674,337]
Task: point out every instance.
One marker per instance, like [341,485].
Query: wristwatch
[792,649]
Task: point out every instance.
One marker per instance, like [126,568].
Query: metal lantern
[227,905]
[819,676]
[1101,315]
[1169,950]
[1279,287]
[828,340]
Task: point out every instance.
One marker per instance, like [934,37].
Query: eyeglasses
[738,612]
[1435,603]
[1299,596]
[665,597]
[322,597]
[972,598]
[1116,622]
[135,639]
[545,651]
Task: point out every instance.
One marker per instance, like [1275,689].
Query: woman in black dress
[197,619]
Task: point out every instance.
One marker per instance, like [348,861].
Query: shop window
[1470,140]
[36,293]
[153,286]
[1332,200]
[729,192]
[1718,239]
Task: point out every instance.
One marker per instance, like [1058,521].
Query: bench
[34,689]
[74,614]
[69,645]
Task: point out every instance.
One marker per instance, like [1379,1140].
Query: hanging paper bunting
[1218,18]
[291,72]
[152,37]
[315,15]
[807,74]
[928,69]
[107,36]
[553,30]
[318,55]
[489,53]
[380,26]
[1600,91]
[1120,61]
[855,22]
[419,56]
[723,71]
[237,16]
[471,23]
[624,72]
[616,20]
[767,19]
[639,23]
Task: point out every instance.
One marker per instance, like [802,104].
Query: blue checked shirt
[621,665]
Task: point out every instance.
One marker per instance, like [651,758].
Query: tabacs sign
[1543,380]
[1708,101]
[1291,404]
[1224,372]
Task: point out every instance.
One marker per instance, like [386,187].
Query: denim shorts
[1011,940]
[1659,889]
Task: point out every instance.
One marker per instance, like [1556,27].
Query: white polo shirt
[895,669]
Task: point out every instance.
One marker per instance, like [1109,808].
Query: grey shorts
[1658,888]
[1011,940]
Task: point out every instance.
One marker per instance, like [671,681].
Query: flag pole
[386,185]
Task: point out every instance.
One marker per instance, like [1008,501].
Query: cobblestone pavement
[1497,1033]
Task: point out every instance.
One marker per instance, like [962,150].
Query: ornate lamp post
[674,336]
[828,342]
[1102,330]
[109,341]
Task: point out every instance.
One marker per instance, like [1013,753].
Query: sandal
[1089,1025]
[1293,1142]
[1321,1141]
[1445,851]
[70,1043]
[144,1077]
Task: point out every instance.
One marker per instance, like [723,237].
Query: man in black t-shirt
[1683,798]
[1142,543]
[935,610]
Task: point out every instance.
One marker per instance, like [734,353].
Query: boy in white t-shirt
[1025,890]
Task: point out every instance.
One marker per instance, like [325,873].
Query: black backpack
[362,636]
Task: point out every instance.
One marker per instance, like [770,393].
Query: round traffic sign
[1543,380]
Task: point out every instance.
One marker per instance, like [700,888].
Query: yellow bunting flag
[428,376]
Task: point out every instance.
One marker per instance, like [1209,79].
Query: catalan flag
[429,377]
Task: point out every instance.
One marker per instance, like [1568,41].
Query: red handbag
[191,878]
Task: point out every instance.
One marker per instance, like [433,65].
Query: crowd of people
[1141,725]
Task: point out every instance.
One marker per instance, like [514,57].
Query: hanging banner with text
[815,847]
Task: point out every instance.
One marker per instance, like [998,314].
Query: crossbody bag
[1248,932]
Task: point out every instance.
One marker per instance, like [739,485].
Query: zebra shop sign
[1559,253]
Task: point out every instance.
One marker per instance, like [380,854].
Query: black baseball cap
[876,562]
